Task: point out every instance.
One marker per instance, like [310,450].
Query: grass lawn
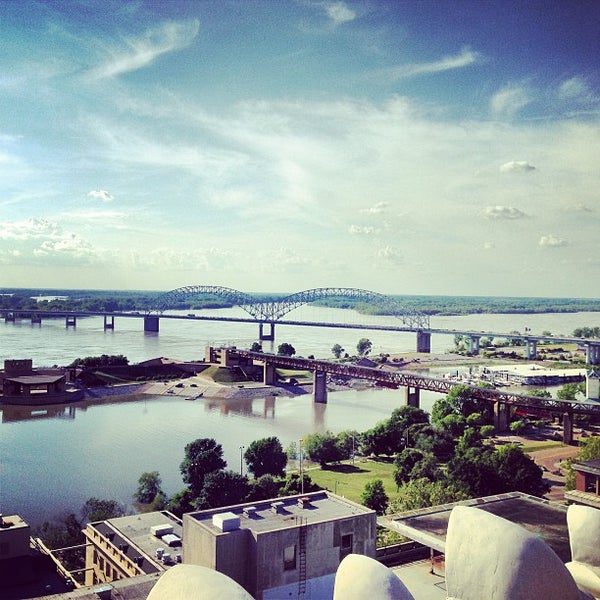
[349,480]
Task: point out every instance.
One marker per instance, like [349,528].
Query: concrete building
[131,546]
[587,483]
[288,547]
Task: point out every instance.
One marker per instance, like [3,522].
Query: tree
[589,450]
[202,456]
[364,346]
[148,488]
[294,484]
[337,350]
[420,493]
[222,488]
[256,347]
[374,496]
[263,488]
[96,509]
[569,391]
[286,349]
[266,456]
[322,448]
[181,503]
[414,464]
[518,472]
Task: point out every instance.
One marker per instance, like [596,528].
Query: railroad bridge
[503,401]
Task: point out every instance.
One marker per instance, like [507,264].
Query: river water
[52,460]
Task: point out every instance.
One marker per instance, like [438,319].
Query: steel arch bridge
[275,310]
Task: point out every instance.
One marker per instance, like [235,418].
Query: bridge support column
[413,396]
[320,387]
[592,354]
[109,322]
[269,374]
[501,416]
[268,335]
[567,428]
[531,349]
[70,321]
[151,323]
[423,341]
[36,319]
[474,345]
[9,318]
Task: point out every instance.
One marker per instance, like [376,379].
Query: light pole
[241,461]
[301,475]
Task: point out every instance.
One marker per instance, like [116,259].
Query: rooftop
[285,512]
[547,520]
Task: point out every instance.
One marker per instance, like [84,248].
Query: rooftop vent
[249,511]
[226,521]
[304,502]
[277,507]
[160,530]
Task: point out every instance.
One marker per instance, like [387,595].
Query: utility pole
[241,461]
[301,474]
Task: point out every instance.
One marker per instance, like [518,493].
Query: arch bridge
[270,312]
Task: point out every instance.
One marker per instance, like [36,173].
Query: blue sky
[409,147]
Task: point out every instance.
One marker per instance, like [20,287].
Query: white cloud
[390,254]
[361,230]
[339,12]
[516,166]
[137,53]
[508,101]
[503,212]
[575,88]
[101,195]
[465,58]
[551,241]
[376,209]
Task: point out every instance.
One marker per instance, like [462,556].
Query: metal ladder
[302,559]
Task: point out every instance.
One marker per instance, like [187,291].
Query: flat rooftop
[545,519]
[287,512]
[133,533]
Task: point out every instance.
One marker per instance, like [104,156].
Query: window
[591,484]
[289,558]
[346,545]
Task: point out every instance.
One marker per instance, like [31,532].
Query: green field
[349,480]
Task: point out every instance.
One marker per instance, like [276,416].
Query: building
[131,546]
[587,483]
[288,547]
[21,384]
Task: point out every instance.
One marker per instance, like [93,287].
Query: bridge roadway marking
[433,384]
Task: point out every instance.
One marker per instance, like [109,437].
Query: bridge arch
[275,310]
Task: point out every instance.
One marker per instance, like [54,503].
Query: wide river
[52,461]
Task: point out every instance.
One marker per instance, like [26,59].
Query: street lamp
[241,461]
[301,475]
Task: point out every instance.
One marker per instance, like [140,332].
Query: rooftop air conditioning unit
[249,511]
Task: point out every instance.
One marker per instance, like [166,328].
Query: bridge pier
[423,341]
[36,319]
[151,323]
[109,322]
[269,374]
[413,396]
[9,318]
[474,344]
[268,335]
[70,321]
[530,349]
[501,416]
[320,387]
[592,354]
[567,428]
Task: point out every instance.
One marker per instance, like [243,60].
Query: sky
[403,147]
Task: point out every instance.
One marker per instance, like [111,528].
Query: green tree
[322,448]
[337,350]
[414,464]
[286,349]
[263,488]
[569,391]
[202,456]
[589,450]
[518,472]
[473,470]
[420,493]
[222,488]
[374,496]
[96,509]
[293,484]
[148,487]
[363,347]
[266,456]
[181,503]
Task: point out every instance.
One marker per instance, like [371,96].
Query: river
[51,461]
